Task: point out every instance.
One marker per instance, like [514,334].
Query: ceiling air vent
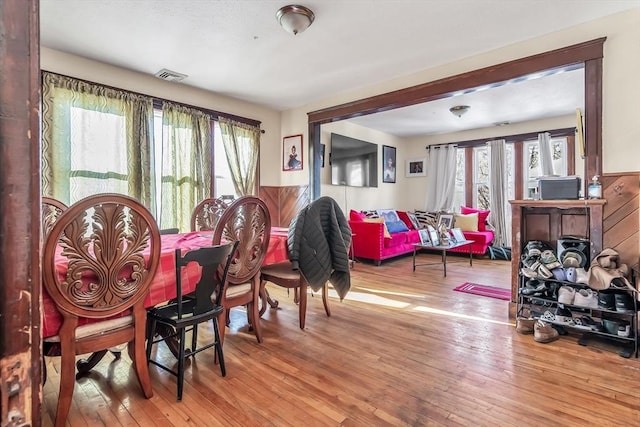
[170,76]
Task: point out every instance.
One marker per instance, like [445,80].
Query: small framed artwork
[388,164]
[424,237]
[457,235]
[292,153]
[416,167]
[433,235]
[446,219]
[414,220]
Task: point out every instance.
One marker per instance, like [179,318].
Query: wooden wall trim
[20,278]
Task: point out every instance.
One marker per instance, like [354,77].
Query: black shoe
[624,302]
[607,300]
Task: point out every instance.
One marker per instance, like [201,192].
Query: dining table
[163,286]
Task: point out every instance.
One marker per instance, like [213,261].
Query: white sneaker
[566,295]
[586,298]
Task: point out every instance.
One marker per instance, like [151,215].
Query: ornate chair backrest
[247,221]
[51,211]
[100,256]
[206,214]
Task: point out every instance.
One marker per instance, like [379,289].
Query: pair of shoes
[548,258]
[563,315]
[533,287]
[566,295]
[586,298]
[544,333]
[607,300]
[586,322]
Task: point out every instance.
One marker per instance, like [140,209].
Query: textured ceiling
[237,48]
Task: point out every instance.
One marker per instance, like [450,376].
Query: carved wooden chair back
[247,221]
[206,214]
[51,211]
[98,262]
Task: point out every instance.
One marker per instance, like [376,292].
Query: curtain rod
[555,133]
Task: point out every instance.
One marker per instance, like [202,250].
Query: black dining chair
[185,314]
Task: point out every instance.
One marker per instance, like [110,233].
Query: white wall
[98,72]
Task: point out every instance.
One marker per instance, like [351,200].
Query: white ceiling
[237,48]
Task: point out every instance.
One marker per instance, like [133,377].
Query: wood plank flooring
[403,349]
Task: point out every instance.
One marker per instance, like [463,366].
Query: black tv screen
[353,162]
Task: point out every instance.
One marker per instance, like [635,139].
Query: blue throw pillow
[396,226]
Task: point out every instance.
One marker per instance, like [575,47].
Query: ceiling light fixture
[294,18]
[459,110]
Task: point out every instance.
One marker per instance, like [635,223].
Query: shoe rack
[615,322]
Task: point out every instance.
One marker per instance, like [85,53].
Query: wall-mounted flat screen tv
[353,162]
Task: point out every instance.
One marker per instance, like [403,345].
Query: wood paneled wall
[621,216]
[285,202]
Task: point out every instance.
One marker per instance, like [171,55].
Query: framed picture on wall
[388,164]
[416,167]
[292,153]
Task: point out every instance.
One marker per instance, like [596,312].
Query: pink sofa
[370,243]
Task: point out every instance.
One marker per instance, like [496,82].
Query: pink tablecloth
[163,286]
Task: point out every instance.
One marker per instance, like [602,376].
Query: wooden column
[20,283]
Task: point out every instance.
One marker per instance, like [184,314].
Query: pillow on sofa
[371,214]
[356,216]
[396,226]
[482,216]
[406,218]
[380,221]
[468,222]
[426,218]
[389,215]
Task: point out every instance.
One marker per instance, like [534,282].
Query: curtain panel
[186,164]
[441,178]
[500,212]
[242,146]
[80,121]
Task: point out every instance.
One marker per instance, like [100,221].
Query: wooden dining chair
[247,221]
[98,262]
[184,315]
[206,214]
[51,211]
[284,275]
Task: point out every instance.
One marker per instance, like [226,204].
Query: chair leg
[222,322]
[302,305]
[325,299]
[140,357]
[218,347]
[181,364]
[67,382]
[194,338]
[254,309]
[151,333]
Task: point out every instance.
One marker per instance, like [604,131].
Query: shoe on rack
[544,332]
[586,322]
[624,302]
[548,258]
[566,295]
[563,315]
[586,298]
[607,300]
[532,287]
[529,273]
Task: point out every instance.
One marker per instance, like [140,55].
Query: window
[459,196]
[481,177]
[532,169]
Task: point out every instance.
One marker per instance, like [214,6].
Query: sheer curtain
[186,164]
[95,140]
[500,214]
[441,178]
[242,145]
[546,162]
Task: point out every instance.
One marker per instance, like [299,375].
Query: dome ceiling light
[295,18]
[459,110]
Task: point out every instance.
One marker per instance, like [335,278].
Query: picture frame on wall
[416,167]
[292,158]
[388,164]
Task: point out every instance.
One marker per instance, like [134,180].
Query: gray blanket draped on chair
[319,239]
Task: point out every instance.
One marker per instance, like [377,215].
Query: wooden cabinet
[548,220]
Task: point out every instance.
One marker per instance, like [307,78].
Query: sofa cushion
[426,218]
[356,216]
[397,239]
[396,226]
[371,214]
[482,216]
[389,215]
[468,222]
[480,237]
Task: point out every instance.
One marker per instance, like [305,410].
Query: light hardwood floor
[402,349]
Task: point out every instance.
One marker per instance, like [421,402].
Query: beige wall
[83,68]
[621,86]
